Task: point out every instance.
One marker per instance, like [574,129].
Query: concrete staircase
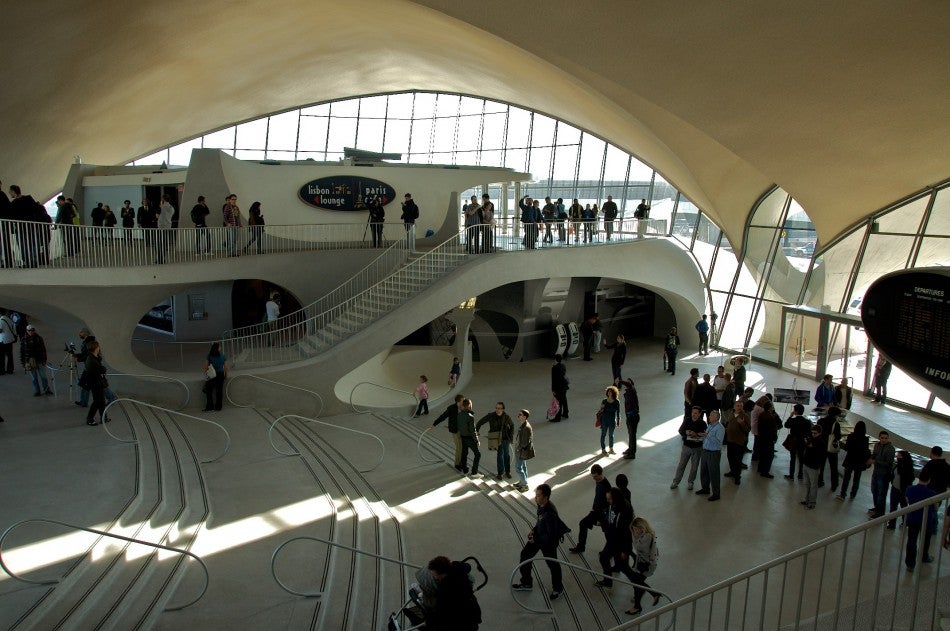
[121,585]
[323,331]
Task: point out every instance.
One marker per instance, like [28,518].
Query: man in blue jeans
[702,327]
[883,459]
[916,521]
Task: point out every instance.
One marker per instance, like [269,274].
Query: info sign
[346,192]
[907,316]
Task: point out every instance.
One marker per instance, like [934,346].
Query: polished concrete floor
[52,465]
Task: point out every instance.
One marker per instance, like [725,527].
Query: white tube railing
[102,533]
[227,446]
[411,395]
[270,437]
[230,382]
[377,269]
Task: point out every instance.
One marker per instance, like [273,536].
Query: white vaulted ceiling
[843,104]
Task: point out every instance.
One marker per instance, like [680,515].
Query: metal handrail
[371,383]
[791,556]
[270,437]
[66,246]
[227,390]
[227,446]
[294,319]
[419,448]
[101,533]
[178,381]
[273,560]
[511,589]
[51,371]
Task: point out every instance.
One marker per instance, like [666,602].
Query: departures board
[907,317]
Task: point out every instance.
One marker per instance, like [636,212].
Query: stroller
[412,616]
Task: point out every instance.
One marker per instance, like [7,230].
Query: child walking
[455,372]
[422,393]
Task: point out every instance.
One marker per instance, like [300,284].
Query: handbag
[31,364]
[528,452]
[494,440]
[210,372]
[103,382]
[833,445]
[790,443]
[599,417]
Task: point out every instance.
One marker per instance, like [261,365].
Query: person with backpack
[544,537]
[33,359]
[199,217]
[455,608]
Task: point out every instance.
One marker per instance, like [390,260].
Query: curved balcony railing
[232,380]
[101,533]
[411,395]
[65,246]
[227,435]
[270,437]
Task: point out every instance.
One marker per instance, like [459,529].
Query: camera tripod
[69,360]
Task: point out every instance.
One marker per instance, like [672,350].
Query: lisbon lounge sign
[346,192]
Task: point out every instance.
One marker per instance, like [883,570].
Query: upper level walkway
[28,244]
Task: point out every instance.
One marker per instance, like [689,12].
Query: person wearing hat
[33,360]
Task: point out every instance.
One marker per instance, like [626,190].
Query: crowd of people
[720,414]
[540,223]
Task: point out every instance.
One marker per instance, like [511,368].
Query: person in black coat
[799,428]
[559,387]
[855,459]
[456,608]
[618,358]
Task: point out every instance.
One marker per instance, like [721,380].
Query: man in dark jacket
[936,470]
[30,237]
[5,213]
[559,387]
[199,217]
[799,428]
[544,536]
[410,212]
[705,395]
[469,437]
[33,359]
[452,414]
[598,509]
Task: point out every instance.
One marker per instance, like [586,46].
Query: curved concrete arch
[846,114]
[113,307]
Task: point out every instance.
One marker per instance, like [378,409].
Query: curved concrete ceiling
[841,104]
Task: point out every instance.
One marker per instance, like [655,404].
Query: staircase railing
[273,561]
[227,435]
[789,590]
[377,269]
[270,437]
[376,301]
[101,533]
[232,380]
